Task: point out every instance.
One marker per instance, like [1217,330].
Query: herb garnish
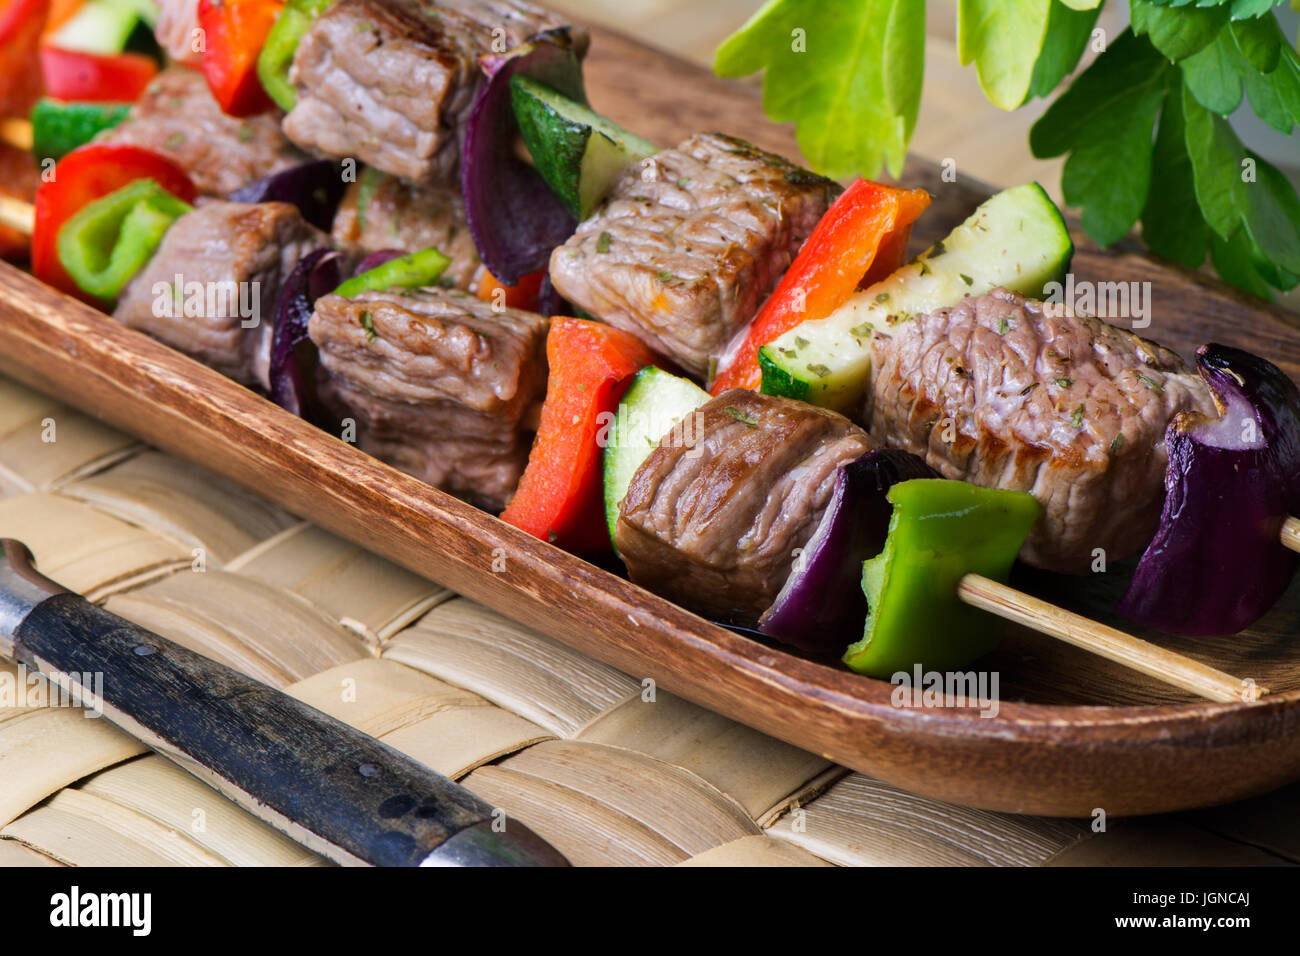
[741,417]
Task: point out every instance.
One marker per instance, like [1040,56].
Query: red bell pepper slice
[89,77]
[520,296]
[862,236]
[79,178]
[559,496]
[236,31]
[21,23]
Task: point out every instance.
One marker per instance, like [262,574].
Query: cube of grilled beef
[178,117]
[391,82]
[212,287]
[1002,392]
[440,385]
[383,212]
[713,518]
[689,243]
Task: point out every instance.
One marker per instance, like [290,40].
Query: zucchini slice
[1015,239]
[654,403]
[577,151]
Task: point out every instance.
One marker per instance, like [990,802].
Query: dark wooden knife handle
[330,786]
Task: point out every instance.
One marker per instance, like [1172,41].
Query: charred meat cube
[689,243]
[441,386]
[382,212]
[391,82]
[212,287]
[1009,393]
[178,118]
[713,518]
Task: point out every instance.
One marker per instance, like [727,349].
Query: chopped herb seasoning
[245,133]
[1003,326]
[640,198]
[683,182]
[368,325]
[1151,383]
[603,241]
[861,331]
[551,536]
[936,250]
[960,371]
[882,298]
[1117,443]
[741,417]
[925,269]
[174,141]
[666,276]
[1065,381]
[363,26]
[1076,416]
[788,353]
[821,371]
[1028,388]
[966,279]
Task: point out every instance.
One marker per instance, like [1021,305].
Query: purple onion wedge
[821,607]
[316,188]
[293,356]
[1216,565]
[515,218]
[376,259]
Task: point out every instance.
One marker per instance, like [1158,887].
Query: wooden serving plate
[1073,733]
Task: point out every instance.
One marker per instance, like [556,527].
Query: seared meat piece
[178,117]
[689,243]
[397,215]
[713,517]
[391,82]
[997,392]
[212,287]
[441,386]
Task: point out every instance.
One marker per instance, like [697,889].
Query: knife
[334,789]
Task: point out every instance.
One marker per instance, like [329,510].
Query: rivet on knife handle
[338,791]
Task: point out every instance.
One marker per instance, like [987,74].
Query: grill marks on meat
[1068,408]
[178,117]
[391,82]
[689,244]
[712,518]
[391,214]
[240,255]
[441,386]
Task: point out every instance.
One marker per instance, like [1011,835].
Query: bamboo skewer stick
[1291,533]
[1008,603]
[17,133]
[1104,641]
[17,215]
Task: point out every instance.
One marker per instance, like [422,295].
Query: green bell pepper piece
[940,531]
[423,268]
[105,244]
[276,58]
[58,128]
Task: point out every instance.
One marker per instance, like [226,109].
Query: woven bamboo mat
[606,767]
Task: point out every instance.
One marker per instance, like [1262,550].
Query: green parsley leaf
[1003,41]
[1214,74]
[826,70]
[1068,32]
[1172,224]
[603,241]
[1076,416]
[1177,33]
[740,416]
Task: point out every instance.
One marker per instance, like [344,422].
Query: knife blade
[340,792]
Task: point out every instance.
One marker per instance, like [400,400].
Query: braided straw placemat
[607,767]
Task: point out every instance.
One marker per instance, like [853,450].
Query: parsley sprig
[1144,128]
